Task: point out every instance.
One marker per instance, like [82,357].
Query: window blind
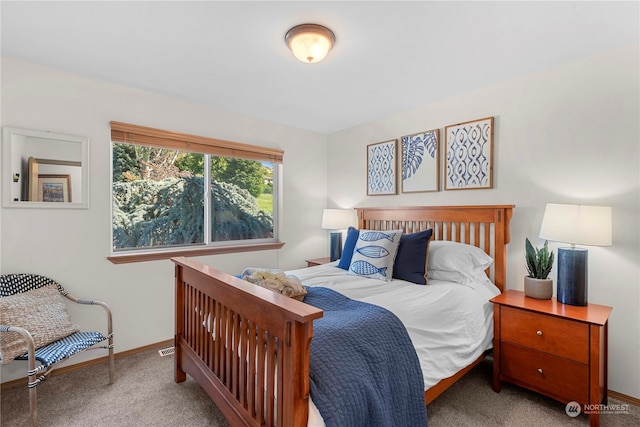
[141,135]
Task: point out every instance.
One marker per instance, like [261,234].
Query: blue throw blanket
[364,370]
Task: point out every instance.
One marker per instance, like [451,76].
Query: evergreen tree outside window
[174,192]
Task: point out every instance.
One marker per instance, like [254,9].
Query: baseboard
[625,398]
[103,359]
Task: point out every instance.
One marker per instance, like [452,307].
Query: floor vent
[167,351]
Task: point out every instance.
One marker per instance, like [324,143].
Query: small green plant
[539,261]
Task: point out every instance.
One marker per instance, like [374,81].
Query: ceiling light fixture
[310,42]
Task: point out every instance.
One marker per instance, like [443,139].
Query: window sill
[154,256]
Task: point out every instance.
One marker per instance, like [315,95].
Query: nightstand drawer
[556,377]
[561,337]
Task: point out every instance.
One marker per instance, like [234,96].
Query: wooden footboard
[246,346]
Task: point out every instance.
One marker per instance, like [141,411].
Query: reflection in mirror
[44,169]
[51,180]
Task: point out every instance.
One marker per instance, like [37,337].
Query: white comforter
[450,324]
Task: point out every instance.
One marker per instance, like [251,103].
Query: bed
[249,347]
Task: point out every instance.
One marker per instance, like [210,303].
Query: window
[178,194]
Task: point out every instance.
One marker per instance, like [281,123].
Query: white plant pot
[538,288]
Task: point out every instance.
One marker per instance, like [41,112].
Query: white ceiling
[389,56]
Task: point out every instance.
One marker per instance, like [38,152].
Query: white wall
[72,246]
[566,135]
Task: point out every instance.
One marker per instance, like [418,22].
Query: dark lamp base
[336,245]
[572,276]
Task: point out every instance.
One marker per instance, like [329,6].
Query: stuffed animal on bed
[275,280]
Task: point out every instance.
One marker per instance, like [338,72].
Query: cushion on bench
[65,347]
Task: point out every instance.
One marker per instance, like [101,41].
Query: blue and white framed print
[469,155]
[421,161]
[381,168]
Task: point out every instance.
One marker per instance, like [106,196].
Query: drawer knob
[539,333]
[540,371]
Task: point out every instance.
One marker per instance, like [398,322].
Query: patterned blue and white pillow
[375,253]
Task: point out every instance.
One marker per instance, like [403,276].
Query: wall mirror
[44,169]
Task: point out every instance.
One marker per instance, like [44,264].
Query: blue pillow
[411,260]
[349,246]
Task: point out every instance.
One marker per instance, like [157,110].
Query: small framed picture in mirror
[54,188]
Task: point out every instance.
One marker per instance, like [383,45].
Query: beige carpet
[144,394]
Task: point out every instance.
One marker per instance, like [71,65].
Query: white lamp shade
[337,219]
[577,224]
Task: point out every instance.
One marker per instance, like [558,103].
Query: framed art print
[420,161]
[381,168]
[54,188]
[469,155]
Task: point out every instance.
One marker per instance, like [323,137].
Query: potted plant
[539,264]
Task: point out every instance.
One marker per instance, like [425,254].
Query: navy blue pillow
[349,246]
[411,260]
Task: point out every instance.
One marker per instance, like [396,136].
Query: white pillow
[457,262]
[375,253]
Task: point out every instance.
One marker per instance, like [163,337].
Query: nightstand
[552,348]
[317,261]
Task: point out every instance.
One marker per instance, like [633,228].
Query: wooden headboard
[484,226]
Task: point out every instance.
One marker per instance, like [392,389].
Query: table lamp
[335,220]
[575,224]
